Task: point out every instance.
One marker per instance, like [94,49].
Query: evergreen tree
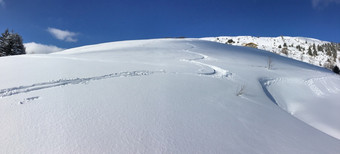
[17,45]
[314,48]
[310,51]
[320,48]
[230,41]
[11,44]
[328,52]
[298,47]
[315,53]
[4,42]
[335,55]
[336,69]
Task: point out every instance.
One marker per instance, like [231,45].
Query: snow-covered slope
[167,96]
[297,47]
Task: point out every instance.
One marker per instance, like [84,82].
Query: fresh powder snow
[167,96]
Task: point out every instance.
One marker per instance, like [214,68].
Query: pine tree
[298,47]
[320,48]
[4,42]
[328,52]
[315,53]
[230,41]
[335,54]
[310,51]
[17,45]
[314,48]
[336,70]
[11,44]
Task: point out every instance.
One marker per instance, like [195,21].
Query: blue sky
[71,23]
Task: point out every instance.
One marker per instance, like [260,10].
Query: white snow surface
[272,44]
[167,96]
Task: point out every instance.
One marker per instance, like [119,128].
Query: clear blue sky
[97,21]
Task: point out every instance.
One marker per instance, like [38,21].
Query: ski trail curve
[216,71]
[63,82]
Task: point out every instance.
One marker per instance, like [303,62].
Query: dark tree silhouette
[336,69]
[11,44]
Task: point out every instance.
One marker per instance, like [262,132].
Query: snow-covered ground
[167,96]
[276,44]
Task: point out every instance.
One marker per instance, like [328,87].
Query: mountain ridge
[322,53]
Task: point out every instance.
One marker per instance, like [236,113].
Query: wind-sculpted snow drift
[167,96]
[317,104]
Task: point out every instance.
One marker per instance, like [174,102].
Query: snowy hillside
[167,96]
[321,52]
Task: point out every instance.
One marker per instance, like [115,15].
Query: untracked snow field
[167,96]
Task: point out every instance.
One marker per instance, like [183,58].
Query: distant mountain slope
[322,53]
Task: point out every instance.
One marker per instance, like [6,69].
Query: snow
[166,96]
[272,44]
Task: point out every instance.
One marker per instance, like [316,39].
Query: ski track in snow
[319,83]
[311,84]
[27,100]
[63,82]
[216,71]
